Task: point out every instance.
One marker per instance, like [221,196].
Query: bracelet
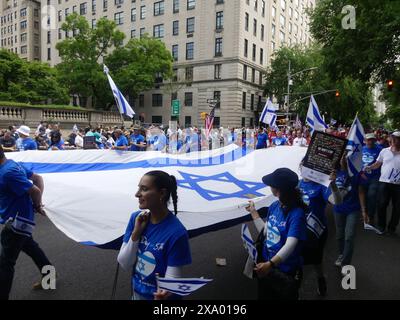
[272,263]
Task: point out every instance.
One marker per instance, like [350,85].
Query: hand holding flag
[181,286]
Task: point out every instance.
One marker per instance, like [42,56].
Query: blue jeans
[346,224]
[371,193]
[11,246]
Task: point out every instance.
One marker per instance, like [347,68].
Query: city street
[88,273]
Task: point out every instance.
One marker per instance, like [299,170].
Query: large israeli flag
[123,105]
[314,118]
[356,142]
[268,115]
[90,194]
[181,286]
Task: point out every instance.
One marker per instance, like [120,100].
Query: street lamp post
[290,82]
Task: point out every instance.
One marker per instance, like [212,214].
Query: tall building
[20,28]
[220,49]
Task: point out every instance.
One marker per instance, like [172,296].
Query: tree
[355,96]
[139,65]
[370,51]
[81,54]
[31,82]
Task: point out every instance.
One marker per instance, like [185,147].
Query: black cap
[282,179]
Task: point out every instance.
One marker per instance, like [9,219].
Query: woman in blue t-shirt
[155,241]
[280,272]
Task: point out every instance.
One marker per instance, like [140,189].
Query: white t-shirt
[390,171]
[300,142]
[79,141]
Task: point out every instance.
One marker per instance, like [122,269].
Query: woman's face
[275,191]
[148,194]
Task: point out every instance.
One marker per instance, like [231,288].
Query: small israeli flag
[123,105]
[354,146]
[268,115]
[249,243]
[314,118]
[181,286]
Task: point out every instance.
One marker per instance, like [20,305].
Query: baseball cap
[282,178]
[370,136]
[396,134]
[24,130]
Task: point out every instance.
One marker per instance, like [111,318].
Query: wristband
[272,263]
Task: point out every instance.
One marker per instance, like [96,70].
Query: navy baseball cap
[282,179]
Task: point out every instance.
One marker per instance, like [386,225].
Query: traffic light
[390,85]
[203,115]
[337,94]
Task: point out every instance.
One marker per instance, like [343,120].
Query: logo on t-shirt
[146,263]
[273,236]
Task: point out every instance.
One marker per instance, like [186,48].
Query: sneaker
[338,262]
[321,290]
[379,231]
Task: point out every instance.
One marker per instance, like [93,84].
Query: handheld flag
[314,118]
[181,286]
[249,243]
[75,129]
[354,146]
[298,123]
[268,115]
[122,104]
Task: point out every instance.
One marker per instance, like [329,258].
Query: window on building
[273,29]
[283,4]
[118,3]
[93,23]
[159,8]
[175,6]
[142,32]
[282,36]
[217,96]
[23,12]
[244,72]
[244,100]
[253,75]
[24,49]
[243,122]
[191,4]
[188,99]
[261,56]
[246,47]
[217,71]
[219,20]
[142,12]
[156,119]
[48,36]
[48,53]
[133,14]
[262,32]
[254,52]
[252,102]
[175,27]
[157,100]
[246,21]
[66,12]
[188,121]
[175,52]
[119,18]
[23,37]
[105,5]
[94,6]
[263,8]
[83,8]
[218,47]
[23,24]
[255,27]
[141,100]
[190,25]
[59,34]
[158,31]
[282,21]
[190,51]
[133,33]
[189,74]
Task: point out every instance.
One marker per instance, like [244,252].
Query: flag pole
[114,289]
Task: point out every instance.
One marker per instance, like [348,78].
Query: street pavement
[87,273]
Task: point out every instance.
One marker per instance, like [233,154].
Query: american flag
[298,122]
[209,122]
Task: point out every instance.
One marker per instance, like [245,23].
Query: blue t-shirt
[26,144]
[192,142]
[59,145]
[315,196]
[262,140]
[122,141]
[351,202]
[279,141]
[15,202]
[279,228]
[368,158]
[161,245]
[137,139]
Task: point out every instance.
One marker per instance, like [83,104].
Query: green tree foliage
[354,97]
[139,65]
[80,69]
[30,82]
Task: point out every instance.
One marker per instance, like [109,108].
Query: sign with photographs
[323,154]
[89,142]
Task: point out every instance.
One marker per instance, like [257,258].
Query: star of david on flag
[246,190]
[181,286]
[355,144]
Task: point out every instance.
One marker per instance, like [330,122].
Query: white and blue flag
[122,104]
[181,286]
[249,243]
[356,142]
[314,119]
[268,115]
